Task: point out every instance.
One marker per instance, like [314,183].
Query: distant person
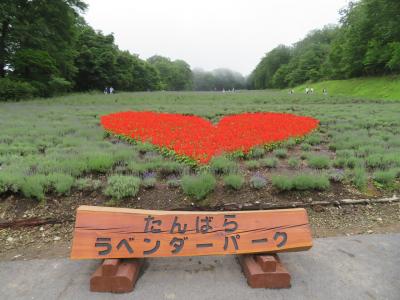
[307,91]
[325,92]
[312,90]
[105,90]
[111,90]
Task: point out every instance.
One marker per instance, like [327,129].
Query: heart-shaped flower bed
[199,139]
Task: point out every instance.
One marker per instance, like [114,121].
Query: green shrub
[375,161]
[222,165]
[173,183]
[149,182]
[258,182]
[359,178]
[301,182]
[270,162]
[311,182]
[15,90]
[304,155]
[87,183]
[293,163]
[62,183]
[345,153]
[282,183]
[383,161]
[305,147]
[96,184]
[198,187]
[167,168]
[336,175]
[122,186]
[339,162]
[319,161]
[280,153]
[252,164]
[100,163]
[313,139]
[238,154]
[139,168]
[151,156]
[144,147]
[353,162]
[289,144]
[10,182]
[35,186]
[256,152]
[123,155]
[385,178]
[74,167]
[234,181]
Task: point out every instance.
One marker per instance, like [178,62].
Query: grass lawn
[367,87]
[55,147]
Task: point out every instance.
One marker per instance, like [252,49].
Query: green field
[56,146]
[365,87]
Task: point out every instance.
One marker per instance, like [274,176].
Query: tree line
[218,80]
[365,43]
[47,48]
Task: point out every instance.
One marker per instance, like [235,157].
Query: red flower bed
[197,138]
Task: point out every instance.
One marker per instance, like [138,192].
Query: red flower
[199,139]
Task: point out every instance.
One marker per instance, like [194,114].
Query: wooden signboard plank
[103,232]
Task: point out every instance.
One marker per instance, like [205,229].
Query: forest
[365,43]
[47,48]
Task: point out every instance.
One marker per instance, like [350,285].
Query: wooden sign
[102,232]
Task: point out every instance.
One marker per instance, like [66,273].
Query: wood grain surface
[104,232]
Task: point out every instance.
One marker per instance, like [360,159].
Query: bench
[124,237]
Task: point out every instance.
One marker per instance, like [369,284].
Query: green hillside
[371,87]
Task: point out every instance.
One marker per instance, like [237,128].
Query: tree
[175,75]
[271,62]
[100,63]
[305,61]
[218,79]
[40,32]
[203,81]
[367,42]
[134,74]
[368,39]
[228,79]
[96,59]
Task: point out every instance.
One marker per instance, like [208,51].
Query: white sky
[210,34]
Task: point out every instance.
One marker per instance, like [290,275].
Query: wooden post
[116,276]
[264,271]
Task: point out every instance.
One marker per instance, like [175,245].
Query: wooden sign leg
[116,276]
[264,271]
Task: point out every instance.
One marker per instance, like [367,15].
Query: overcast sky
[210,34]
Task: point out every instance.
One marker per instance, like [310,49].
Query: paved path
[358,267]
